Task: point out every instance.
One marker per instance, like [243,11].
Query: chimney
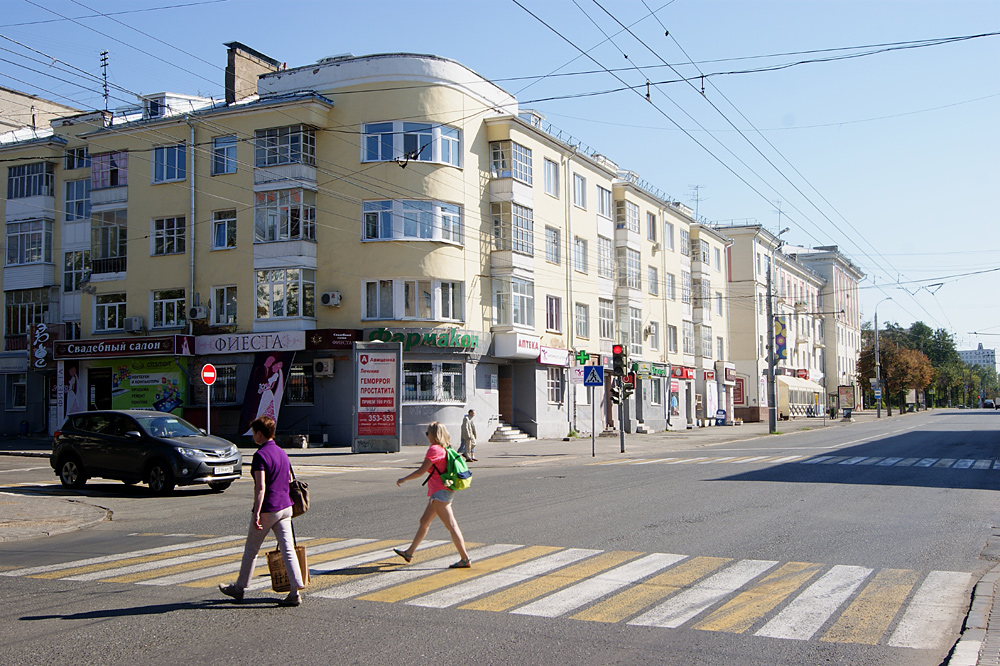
[243,66]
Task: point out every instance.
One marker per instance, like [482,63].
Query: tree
[907,369]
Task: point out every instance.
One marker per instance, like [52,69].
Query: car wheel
[219,486]
[71,473]
[160,478]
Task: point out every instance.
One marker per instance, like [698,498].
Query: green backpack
[456,474]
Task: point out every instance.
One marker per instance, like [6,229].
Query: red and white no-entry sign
[208,374]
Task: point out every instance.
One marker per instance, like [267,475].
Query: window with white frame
[632,216]
[718,303]
[168,308]
[294,144]
[299,389]
[405,140]
[281,215]
[168,235]
[24,307]
[685,287]
[417,299]
[451,301]
[513,302]
[76,266]
[579,191]
[606,314]
[605,208]
[513,228]
[31,180]
[689,337]
[556,384]
[109,312]
[379,299]
[29,242]
[551,178]
[672,339]
[109,240]
[224,305]
[629,268]
[720,349]
[671,282]
[552,245]
[685,242]
[654,281]
[654,336]
[758,263]
[703,252]
[582,320]
[404,219]
[656,391]
[109,170]
[223,229]
[605,257]
[580,254]
[706,342]
[169,163]
[285,292]
[433,382]
[17,391]
[76,158]
[509,159]
[635,331]
[651,226]
[668,235]
[223,155]
[553,314]
[717,259]
[77,202]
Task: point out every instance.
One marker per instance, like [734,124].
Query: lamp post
[878,363]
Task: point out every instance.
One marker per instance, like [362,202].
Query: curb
[977,647]
[26,454]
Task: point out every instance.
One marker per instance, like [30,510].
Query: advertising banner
[136,383]
[379,393]
[780,338]
[266,387]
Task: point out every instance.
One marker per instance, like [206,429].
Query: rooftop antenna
[104,67]
[696,197]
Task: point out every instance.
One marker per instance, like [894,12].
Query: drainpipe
[190,299]
[570,306]
[665,397]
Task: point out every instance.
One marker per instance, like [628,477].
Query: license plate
[228,469]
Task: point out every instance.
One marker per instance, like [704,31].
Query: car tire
[219,486]
[160,478]
[71,472]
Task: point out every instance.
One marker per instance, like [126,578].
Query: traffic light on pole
[616,393]
[628,384]
[620,360]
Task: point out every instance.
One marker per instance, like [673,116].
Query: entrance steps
[508,433]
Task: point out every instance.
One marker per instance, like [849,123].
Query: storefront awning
[801,384]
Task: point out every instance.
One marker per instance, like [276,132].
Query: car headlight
[188,453]
[233,450]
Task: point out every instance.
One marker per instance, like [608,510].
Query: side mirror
[134,434]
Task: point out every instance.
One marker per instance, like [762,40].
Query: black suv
[142,445]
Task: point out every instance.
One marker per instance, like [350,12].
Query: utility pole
[878,372]
[772,406]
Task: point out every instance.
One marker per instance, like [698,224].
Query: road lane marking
[965,463]
[853,461]
[943,594]
[888,462]
[906,462]
[868,617]
[687,461]
[816,461]
[982,464]
[926,462]
[747,460]
[804,616]
[650,462]
[871,461]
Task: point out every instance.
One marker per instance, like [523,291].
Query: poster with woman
[72,388]
[266,387]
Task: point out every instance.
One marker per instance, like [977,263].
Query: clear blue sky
[892,155]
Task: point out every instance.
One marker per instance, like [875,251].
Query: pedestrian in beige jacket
[468,446]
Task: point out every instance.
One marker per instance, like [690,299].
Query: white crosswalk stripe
[860,461]
[810,610]
[922,626]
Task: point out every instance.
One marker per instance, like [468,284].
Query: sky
[869,124]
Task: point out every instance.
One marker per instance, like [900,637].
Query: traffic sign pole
[208,375]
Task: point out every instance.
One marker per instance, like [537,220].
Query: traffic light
[616,393]
[628,385]
[619,368]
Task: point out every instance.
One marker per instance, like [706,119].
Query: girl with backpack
[435,463]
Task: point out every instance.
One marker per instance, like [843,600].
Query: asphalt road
[855,545]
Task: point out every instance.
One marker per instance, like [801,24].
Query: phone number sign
[378,371]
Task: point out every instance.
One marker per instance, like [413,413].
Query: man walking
[468,446]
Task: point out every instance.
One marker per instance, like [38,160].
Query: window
[168,235]
[656,391]
[607,317]
[412,220]
[76,158]
[635,330]
[720,348]
[223,229]
[758,263]
[685,242]
[76,265]
[604,205]
[671,287]
[513,302]
[582,320]
[420,142]
[224,305]
[654,336]
[25,307]
[718,303]
[556,386]
[429,300]
[299,390]
[109,235]
[629,268]
[580,254]
[513,228]
[433,382]
[169,164]
[168,308]
[295,144]
[605,257]
[685,287]
[668,234]
[706,342]
[281,215]
[552,178]
[77,204]
[717,259]
[224,388]
[223,155]
[286,292]
[17,390]
[704,251]
[451,301]
[672,339]
[510,160]
[29,242]
[628,216]
[552,245]
[689,337]
[651,227]
[109,170]
[654,281]
[418,300]
[553,314]
[30,180]
[579,191]
[109,312]
[378,299]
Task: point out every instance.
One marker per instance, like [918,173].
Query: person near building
[272,511]
[468,446]
[435,462]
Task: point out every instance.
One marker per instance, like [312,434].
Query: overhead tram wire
[129,11]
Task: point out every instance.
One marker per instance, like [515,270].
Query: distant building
[986,358]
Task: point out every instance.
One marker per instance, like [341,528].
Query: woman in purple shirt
[272,511]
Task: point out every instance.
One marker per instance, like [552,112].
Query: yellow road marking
[740,613]
[76,571]
[638,597]
[866,620]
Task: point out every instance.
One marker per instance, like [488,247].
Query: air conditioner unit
[323,367]
[133,324]
[330,298]
[198,312]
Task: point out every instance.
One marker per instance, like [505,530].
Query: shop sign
[516,345]
[709,375]
[40,340]
[739,391]
[730,375]
[644,370]
[658,371]
[13,364]
[332,338]
[553,356]
[168,345]
[243,343]
[451,338]
[682,373]
[802,374]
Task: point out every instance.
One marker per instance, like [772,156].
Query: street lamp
[878,362]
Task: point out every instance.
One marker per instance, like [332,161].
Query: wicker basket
[276,565]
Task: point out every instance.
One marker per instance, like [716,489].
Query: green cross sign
[582,356]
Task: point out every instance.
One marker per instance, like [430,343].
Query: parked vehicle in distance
[137,445]
[988,404]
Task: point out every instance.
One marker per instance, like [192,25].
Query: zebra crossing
[782,600]
[860,461]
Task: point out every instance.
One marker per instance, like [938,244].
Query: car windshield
[167,426]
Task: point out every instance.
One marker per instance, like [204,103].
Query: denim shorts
[444,495]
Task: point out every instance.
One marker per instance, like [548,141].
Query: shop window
[434,382]
[299,390]
[656,391]
[17,391]
[556,385]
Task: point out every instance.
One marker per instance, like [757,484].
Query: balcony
[280,176]
[108,196]
[28,208]
[108,265]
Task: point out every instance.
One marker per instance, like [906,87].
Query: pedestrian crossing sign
[593,376]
